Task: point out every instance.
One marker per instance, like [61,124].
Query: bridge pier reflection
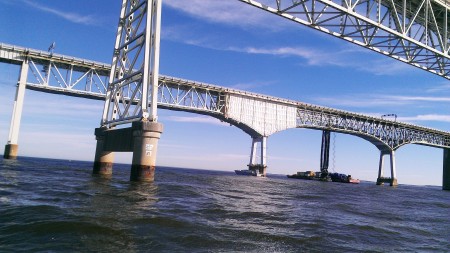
[381,179]
[258,166]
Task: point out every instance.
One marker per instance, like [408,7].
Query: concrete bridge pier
[145,137]
[11,148]
[381,179]
[261,165]
[103,161]
[141,139]
[446,171]
[325,153]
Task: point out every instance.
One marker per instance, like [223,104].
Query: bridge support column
[145,137]
[259,166]
[11,148]
[325,153]
[103,162]
[446,171]
[381,179]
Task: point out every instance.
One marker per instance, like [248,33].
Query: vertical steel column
[11,148]
[156,28]
[446,170]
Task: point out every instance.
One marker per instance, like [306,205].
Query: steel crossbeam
[256,114]
[412,31]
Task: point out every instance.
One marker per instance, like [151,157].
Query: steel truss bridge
[257,115]
[412,31]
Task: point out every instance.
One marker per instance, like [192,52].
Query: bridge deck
[214,100]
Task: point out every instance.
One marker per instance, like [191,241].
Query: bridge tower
[12,146]
[381,179]
[132,92]
[261,165]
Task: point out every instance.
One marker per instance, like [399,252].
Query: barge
[329,177]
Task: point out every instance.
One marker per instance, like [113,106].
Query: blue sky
[230,44]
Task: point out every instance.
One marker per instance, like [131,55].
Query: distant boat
[332,177]
[343,178]
[247,173]
[310,175]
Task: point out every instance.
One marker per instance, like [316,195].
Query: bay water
[49,205]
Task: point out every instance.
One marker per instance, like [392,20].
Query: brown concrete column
[11,151]
[103,161]
[446,171]
[146,136]
[259,168]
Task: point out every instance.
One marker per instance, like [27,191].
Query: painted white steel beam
[135,65]
[411,31]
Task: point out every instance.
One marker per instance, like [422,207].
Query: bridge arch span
[382,146]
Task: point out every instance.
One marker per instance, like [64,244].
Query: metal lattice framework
[412,31]
[256,114]
[177,94]
[132,76]
[56,72]
[386,135]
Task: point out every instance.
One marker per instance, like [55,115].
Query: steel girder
[193,96]
[385,134]
[184,95]
[412,31]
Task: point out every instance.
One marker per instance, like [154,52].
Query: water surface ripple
[57,206]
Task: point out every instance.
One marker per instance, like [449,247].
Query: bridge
[258,115]
[127,87]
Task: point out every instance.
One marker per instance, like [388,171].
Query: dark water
[57,206]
